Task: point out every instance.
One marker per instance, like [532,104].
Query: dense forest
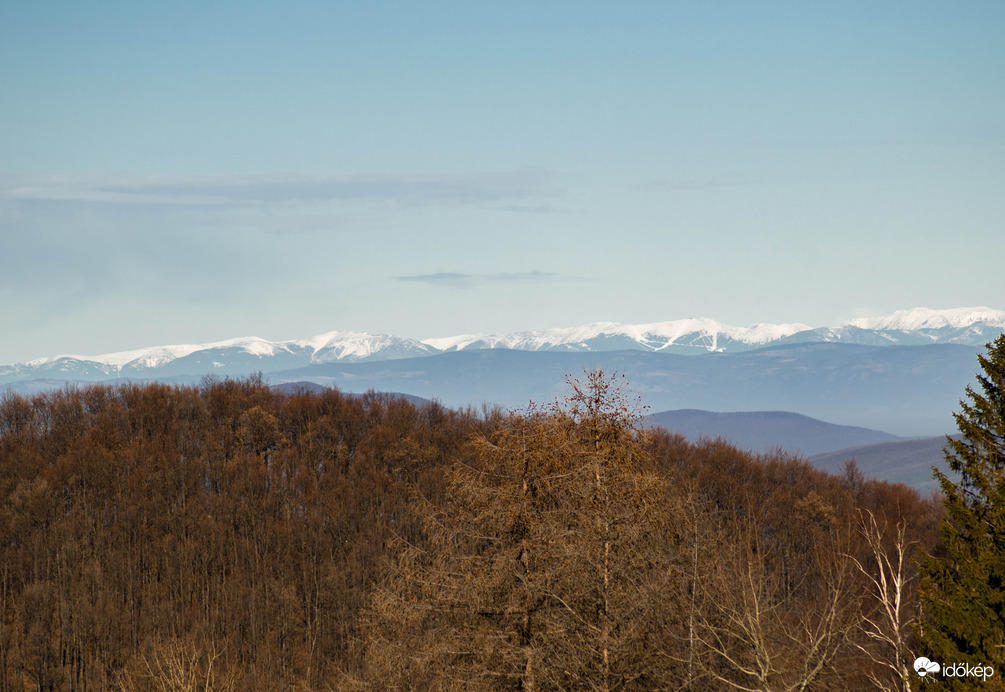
[233,537]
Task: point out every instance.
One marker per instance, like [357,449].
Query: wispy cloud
[505,187]
[459,280]
[722,180]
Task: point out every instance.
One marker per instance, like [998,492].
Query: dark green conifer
[963,582]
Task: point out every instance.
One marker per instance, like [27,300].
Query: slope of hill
[314,388]
[761,431]
[901,461]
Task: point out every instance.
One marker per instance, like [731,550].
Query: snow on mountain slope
[923,318]
[971,326]
[150,357]
[657,336]
[325,348]
[339,345]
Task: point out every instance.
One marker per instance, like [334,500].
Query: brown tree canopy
[228,536]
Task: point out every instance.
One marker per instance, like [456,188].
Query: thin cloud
[402,190]
[459,280]
[724,180]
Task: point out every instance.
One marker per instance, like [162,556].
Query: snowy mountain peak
[924,318]
[692,336]
[150,357]
[342,345]
[332,346]
[700,333]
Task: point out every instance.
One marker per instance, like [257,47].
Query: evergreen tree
[963,586]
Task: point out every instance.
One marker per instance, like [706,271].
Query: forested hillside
[233,537]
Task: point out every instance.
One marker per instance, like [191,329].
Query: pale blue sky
[189,172]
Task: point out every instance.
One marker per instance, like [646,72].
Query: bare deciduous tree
[889,581]
[179,665]
[759,631]
[548,567]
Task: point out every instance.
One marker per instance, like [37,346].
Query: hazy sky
[178,172]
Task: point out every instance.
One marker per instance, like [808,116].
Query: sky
[187,172]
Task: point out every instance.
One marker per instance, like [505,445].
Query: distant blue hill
[314,388]
[910,391]
[901,461]
[762,431]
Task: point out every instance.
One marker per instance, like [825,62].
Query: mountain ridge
[691,336]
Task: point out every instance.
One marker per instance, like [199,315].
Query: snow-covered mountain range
[968,326]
